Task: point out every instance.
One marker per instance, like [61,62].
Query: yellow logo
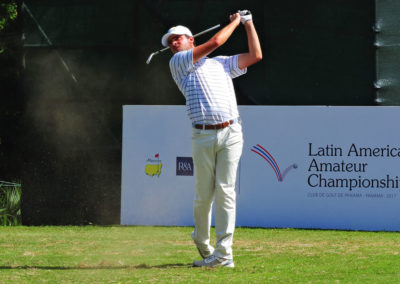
[153,167]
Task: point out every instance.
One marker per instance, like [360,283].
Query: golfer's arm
[255,54]
[216,41]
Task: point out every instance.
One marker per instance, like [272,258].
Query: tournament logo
[263,153]
[153,167]
[184,166]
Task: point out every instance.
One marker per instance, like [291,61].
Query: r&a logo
[184,166]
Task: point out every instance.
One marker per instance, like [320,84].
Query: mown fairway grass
[164,255]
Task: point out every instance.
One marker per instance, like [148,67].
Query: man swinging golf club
[217,139]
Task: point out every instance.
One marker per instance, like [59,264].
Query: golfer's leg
[204,169]
[225,196]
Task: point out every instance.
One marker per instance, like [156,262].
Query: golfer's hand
[235,18]
[245,15]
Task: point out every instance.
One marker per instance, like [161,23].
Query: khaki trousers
[216,155]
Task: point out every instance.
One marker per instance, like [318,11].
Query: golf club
[164,49]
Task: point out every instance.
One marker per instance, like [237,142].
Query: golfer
[217,139]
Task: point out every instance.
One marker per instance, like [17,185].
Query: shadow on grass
[89,267]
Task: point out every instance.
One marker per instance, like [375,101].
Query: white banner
[302,167]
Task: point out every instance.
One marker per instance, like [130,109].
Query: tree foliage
[8,14]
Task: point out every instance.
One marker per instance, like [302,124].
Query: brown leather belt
[214,126]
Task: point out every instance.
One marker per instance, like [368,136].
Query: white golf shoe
[214,261]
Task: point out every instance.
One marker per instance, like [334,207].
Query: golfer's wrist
[248,22]
[235,23]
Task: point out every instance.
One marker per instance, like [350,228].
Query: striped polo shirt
[207,86]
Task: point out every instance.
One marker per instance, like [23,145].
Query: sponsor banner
[302,167]
[155,148]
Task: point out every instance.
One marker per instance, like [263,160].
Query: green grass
[164,255]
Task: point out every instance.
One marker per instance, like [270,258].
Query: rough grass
[164,255]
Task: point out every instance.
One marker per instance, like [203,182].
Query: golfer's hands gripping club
[245,15]
[235,18]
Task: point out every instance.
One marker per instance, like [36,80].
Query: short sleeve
[231,65]
[234,69]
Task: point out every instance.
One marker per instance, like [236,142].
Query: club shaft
[207,30]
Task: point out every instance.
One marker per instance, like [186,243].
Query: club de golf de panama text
[332,166]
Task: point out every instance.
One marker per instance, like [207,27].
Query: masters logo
[153,167]
[263,153]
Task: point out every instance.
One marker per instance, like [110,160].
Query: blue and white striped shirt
[207,86]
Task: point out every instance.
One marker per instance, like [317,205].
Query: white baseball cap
[178,30]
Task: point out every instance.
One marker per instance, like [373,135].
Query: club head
[150,57]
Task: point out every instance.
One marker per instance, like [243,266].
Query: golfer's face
[179,42]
